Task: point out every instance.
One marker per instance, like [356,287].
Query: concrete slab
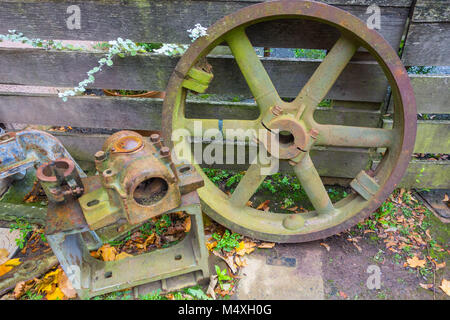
[286,272]
[434,200]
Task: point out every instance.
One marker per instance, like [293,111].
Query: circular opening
[150,191]
[128,144]
[4,137]
[107,172]
[178,257]
[59,165]
[285,138]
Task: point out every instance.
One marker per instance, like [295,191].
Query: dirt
[344,272]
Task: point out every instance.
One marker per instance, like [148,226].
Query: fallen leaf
[123,255]
[57,294]
[9,265]
[325,246]
[212,285]
[19,289]
[357,247]
[107,252]
[263,206]
[211,245]
[445,286]
[446,199]
[266,245]
[187,224]
[228,259]
[66,286]
[426,286]
[415,262]
[343,294]
[439,265]
[245,247]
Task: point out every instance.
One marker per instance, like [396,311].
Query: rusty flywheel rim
[326,220]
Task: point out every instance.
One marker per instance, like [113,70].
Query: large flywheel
[294,125]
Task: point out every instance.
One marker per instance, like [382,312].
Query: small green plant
[32,296]
[155,295]
[310,53]
[24,227]
[227,241]
[197,293]
[222,276]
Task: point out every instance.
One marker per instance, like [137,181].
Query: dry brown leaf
[357,247]
[263,206]
[19,289]
[445,286]
[66,286]
[446,199]
[325,246]
[426,286]
[212,285]
[245,247]
[211,245]
[415,262]
[439,265]
[228,259]
[266,245]
[240,262]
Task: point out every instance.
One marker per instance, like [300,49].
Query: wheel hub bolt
[277,110]
[314,133]
[154,138]
[165,151]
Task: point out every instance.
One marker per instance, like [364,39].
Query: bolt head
[100,155]
[277,110]
[314,133]
[154,138]
[165,151]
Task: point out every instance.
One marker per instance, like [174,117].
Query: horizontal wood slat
[427,44]
[432,11]
[167,21]
[433,136]
[144,113]
[431,92]
[360,81]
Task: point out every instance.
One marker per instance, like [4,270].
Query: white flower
[197,32]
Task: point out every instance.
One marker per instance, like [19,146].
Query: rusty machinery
[293,124]
[137,180]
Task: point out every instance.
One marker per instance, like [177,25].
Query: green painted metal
[327,219]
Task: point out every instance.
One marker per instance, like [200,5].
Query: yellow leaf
[57,294]
[246,248]
[123,255]
[107,252]
[211,245]
[415,262]
[445,286]
[187,224]
[9,265]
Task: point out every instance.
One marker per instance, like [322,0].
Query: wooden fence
[358,97]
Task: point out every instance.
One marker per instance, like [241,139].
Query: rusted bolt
[314,133]
[100,156]
[277,110]
[165,151]
[154,138]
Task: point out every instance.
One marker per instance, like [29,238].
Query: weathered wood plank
[144,114]
[432,93]
[433,136]
[167,21]
[360,81]
[427,44]
[434,174]
[432,11]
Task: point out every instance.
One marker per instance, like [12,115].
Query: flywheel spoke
[253,70]
[312,184]
[326,74]
[242,130]
[248,185]
[348,136]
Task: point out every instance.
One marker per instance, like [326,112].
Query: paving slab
[286,272]
[8,241]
